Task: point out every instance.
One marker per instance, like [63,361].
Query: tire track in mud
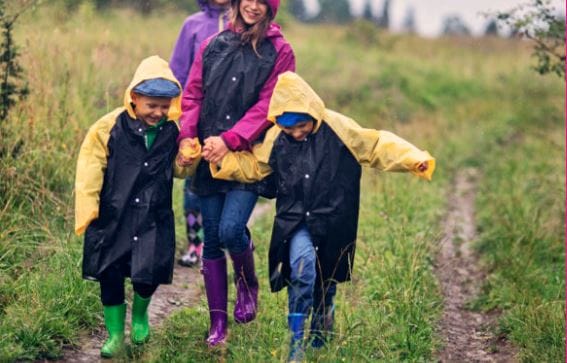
[467,335]
[184,291]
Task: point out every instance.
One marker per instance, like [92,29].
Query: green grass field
[470,103]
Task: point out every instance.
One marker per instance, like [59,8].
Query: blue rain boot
[296,323]
[322,326]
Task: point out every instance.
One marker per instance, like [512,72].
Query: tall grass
[470,103]
[522,222]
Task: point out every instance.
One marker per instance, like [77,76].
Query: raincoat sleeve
[241,166]
[182,55]
[245,166]
[380,149]
[91,166]
[183,172]
[192,97]
[254,122]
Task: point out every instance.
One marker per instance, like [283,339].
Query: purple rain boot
[216,286]
[246,286]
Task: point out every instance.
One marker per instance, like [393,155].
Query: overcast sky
[429,14]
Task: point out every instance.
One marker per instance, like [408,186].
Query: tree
[491,28]
[538,21]
[145,6]
[12,83]
[384,19]
[409,21]
[453,25]
[13,86]
[367,13]
[297,9]
[334,11]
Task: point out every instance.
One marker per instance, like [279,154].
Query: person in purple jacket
[225,104]
[210,20]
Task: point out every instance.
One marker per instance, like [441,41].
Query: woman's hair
[254,34]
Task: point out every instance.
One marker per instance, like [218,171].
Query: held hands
[189,151]
[215,149]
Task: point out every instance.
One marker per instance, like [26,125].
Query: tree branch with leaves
[545,26]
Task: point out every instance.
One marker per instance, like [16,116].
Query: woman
[225,104]
[196,28]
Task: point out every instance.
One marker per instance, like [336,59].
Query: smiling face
[150,109]
[300,130]
[253,11]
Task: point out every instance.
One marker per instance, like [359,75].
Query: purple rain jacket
[196,28]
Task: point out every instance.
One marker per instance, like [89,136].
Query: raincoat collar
[153,67]
[293,94]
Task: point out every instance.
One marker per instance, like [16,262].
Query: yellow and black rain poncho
[318,179]
[123,191]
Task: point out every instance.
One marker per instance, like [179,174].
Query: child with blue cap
[123,199]
[316,155]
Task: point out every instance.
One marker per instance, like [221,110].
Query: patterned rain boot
[192,257]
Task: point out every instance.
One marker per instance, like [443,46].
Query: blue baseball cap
[290,119]
[157,87]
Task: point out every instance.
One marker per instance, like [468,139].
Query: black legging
[112,284]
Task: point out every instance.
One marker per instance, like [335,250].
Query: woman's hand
[215,149]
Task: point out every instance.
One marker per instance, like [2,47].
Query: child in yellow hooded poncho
[123,204]
[315,155]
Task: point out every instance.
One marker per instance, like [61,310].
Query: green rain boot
[140,332]
[114,317]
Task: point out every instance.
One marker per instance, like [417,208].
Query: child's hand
[189,151]
[214,150]
[423,166]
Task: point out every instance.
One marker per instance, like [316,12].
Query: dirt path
[183,292]
[467,335]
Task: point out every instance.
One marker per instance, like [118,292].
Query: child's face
[150,109]
[253,11]
[299,131]
[219,3]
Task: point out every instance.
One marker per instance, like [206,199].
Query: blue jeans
[305,290]
[224,222]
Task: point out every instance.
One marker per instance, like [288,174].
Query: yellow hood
[149,68]
[375,148]
[293,94]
